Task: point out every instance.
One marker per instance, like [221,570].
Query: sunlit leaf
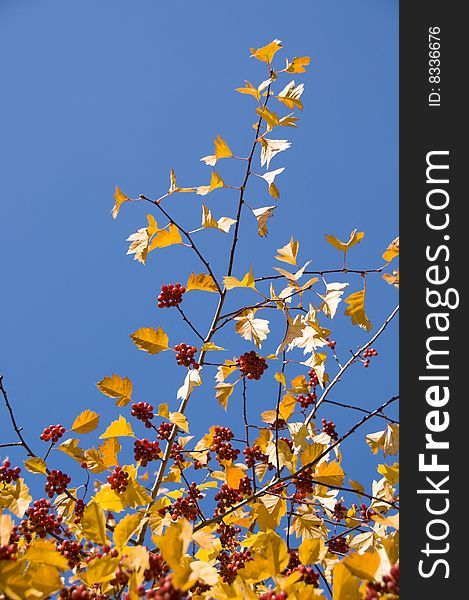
[150,340]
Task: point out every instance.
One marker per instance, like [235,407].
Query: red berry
[252,365]
[119,480]
[170,295]
[53,433]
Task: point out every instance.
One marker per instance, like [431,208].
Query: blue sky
[113,92]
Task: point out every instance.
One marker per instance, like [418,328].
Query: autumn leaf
[330,473]
[289,252]
[126,528]
[263,215]
[332,298]
[247,281]
[36,465]
[174,543]
[93,523]
[179,420]
[270,148]
[202,282]
[140,241]
[392,250]
[223,392]
[222,150]
[165,237]
[85,422]
[250,90]
[215,182]
[150,340]
[266,53]
[290,95]
[119,428]
[173,186]
[392,279]
[252,328]
[345,585]
[208,220]
[270,178]
[355,238]
[119,388]
[119,198]
[356,310]
[297,65]
[191,381]
[363,565]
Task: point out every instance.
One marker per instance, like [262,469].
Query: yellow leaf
[179,420]
[203,571]
[45,552]
[173,186]
[356,310]
[208,221]
[287,407]
[93,523]
[289,252]
[330,473]
[291,94]
[269,116]
[45,580]
[166,237]
[225,370]
[392,279]
[150,340]
[357,486]
[100,570]
[223,392]
[391,473]
[388,521]
[270,148]
[71,448]
[355,238]
[202,282]
[119,428]
[107,499]
[163,411]
[273,549]
[15,497]
[312,550]
[311,452]
[119,388]
[392,250]
[6,527]
[174,543]
[233,475]
[247,281]
[221,151]
[364,565]
[36,465]
[85,422]
[209,346]
[297,64]
[250,90]
[119,198]
[266,53]
[215,182]
[345,585]
[263,215]
[108,452]
[125,529]
[251,328]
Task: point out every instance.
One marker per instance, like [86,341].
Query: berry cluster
[57,482]
[221,444]
[79,510]
[388,588]
[303,483]
[121,578]
[308,400]
[245,487]
[313,378]
[176,453]
[338,544]
[278,424]
[143,412]
[119,480]
[273,595]
[231,563]
[253,454]
[165,591]
[165,430]
[329,428]
[226,497]
[331,343]
[201,465]
[365,512]
[145,451]
[53,433]
[367,354]
[185,355]
[340,512]
[228,535]
[7,475]
[170,295]
[40,521]
[186,506]
[157,569]
[308,575]
[75,593]
[252,365]
[72,551]
[8,551]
